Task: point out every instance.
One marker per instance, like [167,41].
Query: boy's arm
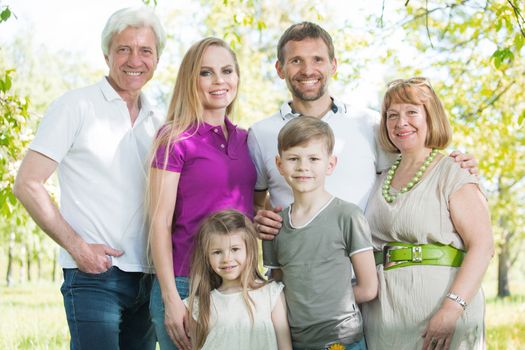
[280,324]
[365,270]
[277,274]
[270,257]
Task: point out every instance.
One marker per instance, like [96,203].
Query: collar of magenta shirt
[204,127]
[232,143]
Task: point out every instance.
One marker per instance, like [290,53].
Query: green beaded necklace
[392,171]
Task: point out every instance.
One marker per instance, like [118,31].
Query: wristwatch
[457,299]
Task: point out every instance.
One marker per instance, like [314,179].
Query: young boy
[322,237]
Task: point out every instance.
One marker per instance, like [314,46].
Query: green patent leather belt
[406,254]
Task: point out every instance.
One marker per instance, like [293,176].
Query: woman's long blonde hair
[185,108]
[204,279]
[185,111]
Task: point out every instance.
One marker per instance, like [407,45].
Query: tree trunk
[54,270]
[28,262]
[9,274]
[21,272]
[503,272]
[39,266]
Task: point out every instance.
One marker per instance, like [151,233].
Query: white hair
[137,17]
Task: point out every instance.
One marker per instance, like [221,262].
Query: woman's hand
[441,327]
[176,321]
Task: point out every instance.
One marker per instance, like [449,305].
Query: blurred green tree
[474,51]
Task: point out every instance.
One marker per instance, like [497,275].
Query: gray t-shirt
[317,273]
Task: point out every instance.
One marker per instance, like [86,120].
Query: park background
[472,50]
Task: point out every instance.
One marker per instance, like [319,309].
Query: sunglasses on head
[410,81]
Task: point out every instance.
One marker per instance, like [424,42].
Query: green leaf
[261,25]
[5,14]
[509,24]
[502,56]
[521,118]
[12,199]
[499,24]
[518,41]
[6,83]
[496,57]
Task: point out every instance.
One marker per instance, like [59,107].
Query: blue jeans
[358,345]
[156,307]
[108,310]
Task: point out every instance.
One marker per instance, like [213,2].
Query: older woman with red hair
[431,229]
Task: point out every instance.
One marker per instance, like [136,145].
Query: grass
[505,320]
[32,317]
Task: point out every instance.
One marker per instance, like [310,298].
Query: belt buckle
[417,254]
[386,255]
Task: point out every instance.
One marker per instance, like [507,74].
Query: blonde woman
[431,229]
[201,165]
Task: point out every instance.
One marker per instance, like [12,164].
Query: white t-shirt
[230,324]
[359,157]
[101,168]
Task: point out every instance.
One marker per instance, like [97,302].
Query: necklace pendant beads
[387,194]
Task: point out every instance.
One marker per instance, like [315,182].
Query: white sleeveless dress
[409,296]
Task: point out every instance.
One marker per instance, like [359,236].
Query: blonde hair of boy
[302,130]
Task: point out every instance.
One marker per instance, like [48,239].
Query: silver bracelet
[457,299]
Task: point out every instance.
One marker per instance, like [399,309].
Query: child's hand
[177,323]
[268,223]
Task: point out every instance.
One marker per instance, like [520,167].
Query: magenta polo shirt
[215,174]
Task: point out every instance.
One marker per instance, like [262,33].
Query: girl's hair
[417,91]
[204,279]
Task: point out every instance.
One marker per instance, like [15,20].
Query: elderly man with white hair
[99,138]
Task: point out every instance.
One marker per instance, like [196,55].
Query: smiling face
[132,59]
[227,256]
[306,68]
[305,167]
[407,127]
[218,80]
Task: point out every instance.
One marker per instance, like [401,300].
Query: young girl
[201,165]
[232,305]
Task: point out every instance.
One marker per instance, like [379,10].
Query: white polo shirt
[359,158]
[102,167]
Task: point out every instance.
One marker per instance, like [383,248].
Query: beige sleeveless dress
[409,296]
